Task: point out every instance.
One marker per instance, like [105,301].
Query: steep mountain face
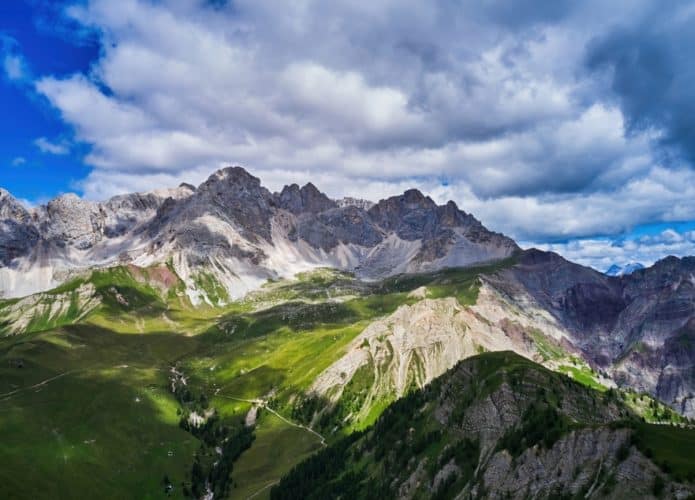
[231,233]
[305,199]
[449,237]
[637,331]
[656,332]
[494,426]
[638,327]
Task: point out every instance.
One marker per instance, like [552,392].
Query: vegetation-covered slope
[500,426]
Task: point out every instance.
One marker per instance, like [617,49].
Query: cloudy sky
[567,125]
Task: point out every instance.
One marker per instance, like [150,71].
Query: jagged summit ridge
[234,229]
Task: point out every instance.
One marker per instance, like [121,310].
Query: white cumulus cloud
[461,99]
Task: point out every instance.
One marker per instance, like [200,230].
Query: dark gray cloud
[525,13]
[652,75]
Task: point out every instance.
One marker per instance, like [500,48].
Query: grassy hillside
[85,410]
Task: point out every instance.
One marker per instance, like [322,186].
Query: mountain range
[236,230]
[273,328]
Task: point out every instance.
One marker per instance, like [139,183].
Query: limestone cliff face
[587,461]
[349,201]
[410,347]
[584,461]
[46,246]
[305,199]
[18,235]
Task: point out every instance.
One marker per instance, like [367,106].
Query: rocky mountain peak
[234,195]
[71,220]
[68,204]
[305,199]
[413,215]
[667,273]
[10,208]
[5,197]
[124,212]
[672,261]
[235,177]
[614,270]
[414,198]
[17,232]
[233,185]
[407,214]
[451,216]
[290,199]
[315,200]
[618,270]
[534,256]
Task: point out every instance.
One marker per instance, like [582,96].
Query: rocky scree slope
[420,341]
[231,234]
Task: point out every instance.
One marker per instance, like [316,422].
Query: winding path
[263,404]
[271,483]
[8,395]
